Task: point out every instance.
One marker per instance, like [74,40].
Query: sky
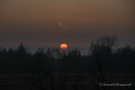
[47,23]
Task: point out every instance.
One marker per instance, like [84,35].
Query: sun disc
[63,46]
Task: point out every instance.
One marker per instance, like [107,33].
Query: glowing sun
[63,46]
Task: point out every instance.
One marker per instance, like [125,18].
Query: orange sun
[63,46]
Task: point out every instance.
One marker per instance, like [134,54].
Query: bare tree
[101,51]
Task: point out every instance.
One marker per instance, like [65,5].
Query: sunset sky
[76,22]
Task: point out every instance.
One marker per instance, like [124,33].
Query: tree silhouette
[101,51]
[46,63]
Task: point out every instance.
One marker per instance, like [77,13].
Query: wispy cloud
[60,24]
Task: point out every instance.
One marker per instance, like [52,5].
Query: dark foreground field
[71,81]
[102,68]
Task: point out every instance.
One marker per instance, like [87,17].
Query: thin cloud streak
[60,24]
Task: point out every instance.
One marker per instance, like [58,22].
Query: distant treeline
[101,57]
